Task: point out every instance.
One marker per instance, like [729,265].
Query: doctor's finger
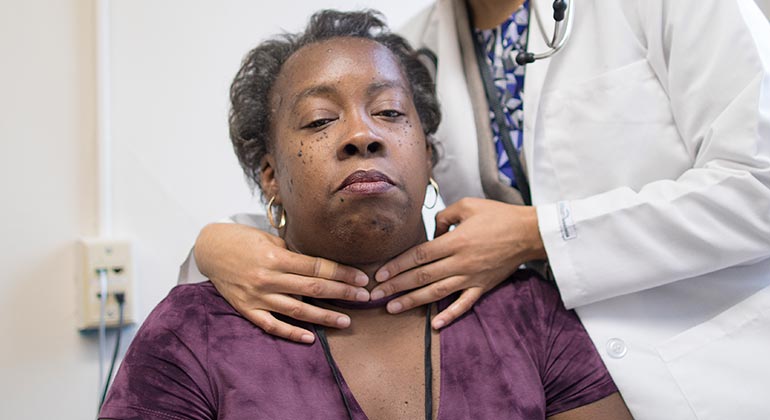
[424,295]
[417,277]
[464,302]
[303,311]
[292,284]
[324,269]
[415,256]
[268,323]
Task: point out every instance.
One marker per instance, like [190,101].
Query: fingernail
[395,307]
[438,323]
[362,279]
[343,322]
[362,296]
[307,338]
[382,275]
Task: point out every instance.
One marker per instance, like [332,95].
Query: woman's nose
[362,140]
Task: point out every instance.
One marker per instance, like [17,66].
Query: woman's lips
[366,182]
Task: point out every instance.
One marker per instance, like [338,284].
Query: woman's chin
[370,226]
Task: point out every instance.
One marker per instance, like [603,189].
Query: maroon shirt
[517,354]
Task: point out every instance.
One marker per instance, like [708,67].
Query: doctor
[645,143]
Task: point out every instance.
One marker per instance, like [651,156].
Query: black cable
[121,299]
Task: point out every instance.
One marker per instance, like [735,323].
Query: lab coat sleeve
[189,272]
[713,60]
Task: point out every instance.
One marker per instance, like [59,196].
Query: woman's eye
[318,123]
[390,113]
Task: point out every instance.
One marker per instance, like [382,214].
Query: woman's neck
[372,307]
[488,14]
[358,245]
[370,317]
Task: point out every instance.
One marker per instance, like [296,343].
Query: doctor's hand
[490,241]
[257,275]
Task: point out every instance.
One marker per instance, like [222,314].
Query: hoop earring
[270,217]
[432,182]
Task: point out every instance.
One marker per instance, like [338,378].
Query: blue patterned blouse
[501,45]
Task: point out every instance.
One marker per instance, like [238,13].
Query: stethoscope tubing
[561,32]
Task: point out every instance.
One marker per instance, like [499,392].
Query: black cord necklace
[321,332]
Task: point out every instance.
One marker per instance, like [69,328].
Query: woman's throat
[366,248]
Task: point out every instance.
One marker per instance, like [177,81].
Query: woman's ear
[267,178]
[430,155]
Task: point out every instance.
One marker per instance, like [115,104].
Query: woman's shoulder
[528,308]
[186,303]
[524,290]
[184,319]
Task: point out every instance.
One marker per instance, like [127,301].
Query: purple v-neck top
[518,354]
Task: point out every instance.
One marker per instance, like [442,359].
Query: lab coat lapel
[459,160]
[534,80]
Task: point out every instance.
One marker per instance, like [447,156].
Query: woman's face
[349,160]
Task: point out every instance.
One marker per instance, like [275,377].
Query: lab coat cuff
[559,234]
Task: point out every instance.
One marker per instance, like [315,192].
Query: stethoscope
[561,32]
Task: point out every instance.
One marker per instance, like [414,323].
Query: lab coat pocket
[710,369]
[612,117]
[630,94]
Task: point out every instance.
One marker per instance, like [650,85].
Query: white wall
[174,168]
[46,161]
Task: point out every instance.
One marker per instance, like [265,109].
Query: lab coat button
[616,348]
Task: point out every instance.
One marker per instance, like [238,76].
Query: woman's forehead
[336,60]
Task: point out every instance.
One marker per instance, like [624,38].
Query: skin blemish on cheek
[299,154]
[342,200]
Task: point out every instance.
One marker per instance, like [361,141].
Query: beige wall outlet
[114,258]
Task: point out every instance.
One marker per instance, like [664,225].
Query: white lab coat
[647,143]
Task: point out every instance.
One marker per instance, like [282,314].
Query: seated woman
[333,126]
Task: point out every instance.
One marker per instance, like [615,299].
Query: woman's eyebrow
[317,90]
[378,87]
[327,90]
